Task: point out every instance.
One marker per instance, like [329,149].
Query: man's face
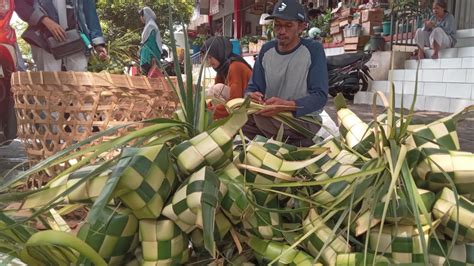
[287,32]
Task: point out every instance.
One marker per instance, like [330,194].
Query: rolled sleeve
[98,41]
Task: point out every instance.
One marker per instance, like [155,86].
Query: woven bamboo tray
[57,109]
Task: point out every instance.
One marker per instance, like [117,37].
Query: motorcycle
[348,73]
[8,124]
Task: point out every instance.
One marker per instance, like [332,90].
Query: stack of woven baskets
[58,109]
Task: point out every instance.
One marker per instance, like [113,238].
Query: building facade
[237,18]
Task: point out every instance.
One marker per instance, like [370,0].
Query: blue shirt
[299,75]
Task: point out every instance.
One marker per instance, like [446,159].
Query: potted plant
[322,22]
[387,22]
[244,41]
[198,42]
[253,40]
[269,32]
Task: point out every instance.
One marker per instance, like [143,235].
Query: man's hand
[56,30]
[101,51]
[256,97]
[277,105]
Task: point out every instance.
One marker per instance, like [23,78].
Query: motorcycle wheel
[363,84]
[354,84]
[333,91]
[349,96]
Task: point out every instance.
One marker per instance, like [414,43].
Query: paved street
[465,128]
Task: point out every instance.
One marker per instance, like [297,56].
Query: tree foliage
[119,17]
[122,27]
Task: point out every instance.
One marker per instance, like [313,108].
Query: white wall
[228,9]
[228,25]
[226,13]
[254,20]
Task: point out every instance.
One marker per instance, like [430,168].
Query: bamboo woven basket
[58,109]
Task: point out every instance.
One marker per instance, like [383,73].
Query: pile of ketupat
[382,193]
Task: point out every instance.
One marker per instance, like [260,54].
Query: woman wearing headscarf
[438,32]
[233,72]
[151,43]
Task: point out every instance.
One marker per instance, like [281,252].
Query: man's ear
[301,26]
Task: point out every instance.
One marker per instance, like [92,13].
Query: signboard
[213,7]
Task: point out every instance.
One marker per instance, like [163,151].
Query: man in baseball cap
[290,75]
[288,10]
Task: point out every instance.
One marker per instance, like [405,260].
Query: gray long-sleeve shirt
[300,75]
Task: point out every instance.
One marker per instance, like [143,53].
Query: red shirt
[7,33]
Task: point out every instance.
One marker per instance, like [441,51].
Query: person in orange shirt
[233,73]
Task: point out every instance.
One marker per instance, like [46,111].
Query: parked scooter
[8,61]
[348,73]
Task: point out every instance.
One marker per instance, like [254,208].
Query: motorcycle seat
[337,61]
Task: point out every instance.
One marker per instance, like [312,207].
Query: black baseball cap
[288,10]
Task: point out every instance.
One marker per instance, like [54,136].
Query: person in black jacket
[51,18]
